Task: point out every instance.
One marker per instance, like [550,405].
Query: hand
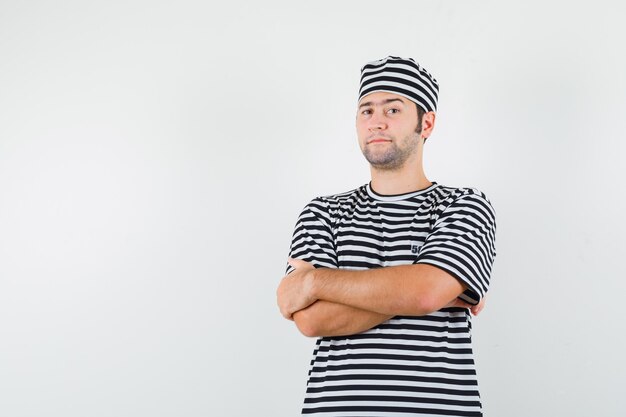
[294,291]
[475,309]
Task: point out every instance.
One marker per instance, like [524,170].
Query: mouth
[378,140]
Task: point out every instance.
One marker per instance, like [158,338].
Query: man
[384,275]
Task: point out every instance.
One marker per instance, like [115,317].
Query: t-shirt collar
[397,197]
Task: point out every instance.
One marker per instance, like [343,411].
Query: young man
[385,275]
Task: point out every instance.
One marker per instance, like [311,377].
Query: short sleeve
[462,242]
[313,238]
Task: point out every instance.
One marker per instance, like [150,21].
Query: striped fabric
[402,76]
[407,365]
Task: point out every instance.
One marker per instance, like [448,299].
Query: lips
[378,140]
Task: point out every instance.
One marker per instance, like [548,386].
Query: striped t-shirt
[408,365]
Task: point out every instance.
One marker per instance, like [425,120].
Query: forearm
[325,318]
[399,290]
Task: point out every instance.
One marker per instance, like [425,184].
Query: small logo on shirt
[414,248]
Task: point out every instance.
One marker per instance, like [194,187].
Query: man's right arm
[313,241]
[324,318]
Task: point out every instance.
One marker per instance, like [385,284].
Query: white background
[154,157]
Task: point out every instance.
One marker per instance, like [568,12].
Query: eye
[393,111]
[366,112]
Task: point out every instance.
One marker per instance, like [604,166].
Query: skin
[333,302]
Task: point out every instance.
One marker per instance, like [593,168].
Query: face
[387,128]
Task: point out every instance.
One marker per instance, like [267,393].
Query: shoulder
[459,198]
[334,201]
[460,194]
[328,206]
[343,197]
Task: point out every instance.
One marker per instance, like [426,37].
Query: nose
[377,122]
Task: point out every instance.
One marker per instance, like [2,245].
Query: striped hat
[402,76]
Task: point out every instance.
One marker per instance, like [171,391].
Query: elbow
[305,324]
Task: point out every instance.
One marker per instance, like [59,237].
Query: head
[391,130]
[396,111]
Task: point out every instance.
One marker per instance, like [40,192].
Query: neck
[393,182]
[409,177]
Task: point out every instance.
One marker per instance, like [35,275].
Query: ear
[428,124]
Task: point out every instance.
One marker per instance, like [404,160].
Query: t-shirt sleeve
[462,243]
[313,238]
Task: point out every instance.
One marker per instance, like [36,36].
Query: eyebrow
[387,101]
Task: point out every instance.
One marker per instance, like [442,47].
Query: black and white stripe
[402,76]
[407,365]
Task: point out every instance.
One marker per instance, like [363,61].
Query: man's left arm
[411,290]
[455,261]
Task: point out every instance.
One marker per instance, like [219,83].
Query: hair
[420,116]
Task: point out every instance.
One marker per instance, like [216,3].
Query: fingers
[299,263]
[478,307]
[474,309]
[290,293]
[286,314]
[457,302]
[284,311]
[283,301]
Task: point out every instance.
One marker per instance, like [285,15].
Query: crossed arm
[333,302]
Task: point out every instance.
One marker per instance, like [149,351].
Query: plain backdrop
[154,157]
